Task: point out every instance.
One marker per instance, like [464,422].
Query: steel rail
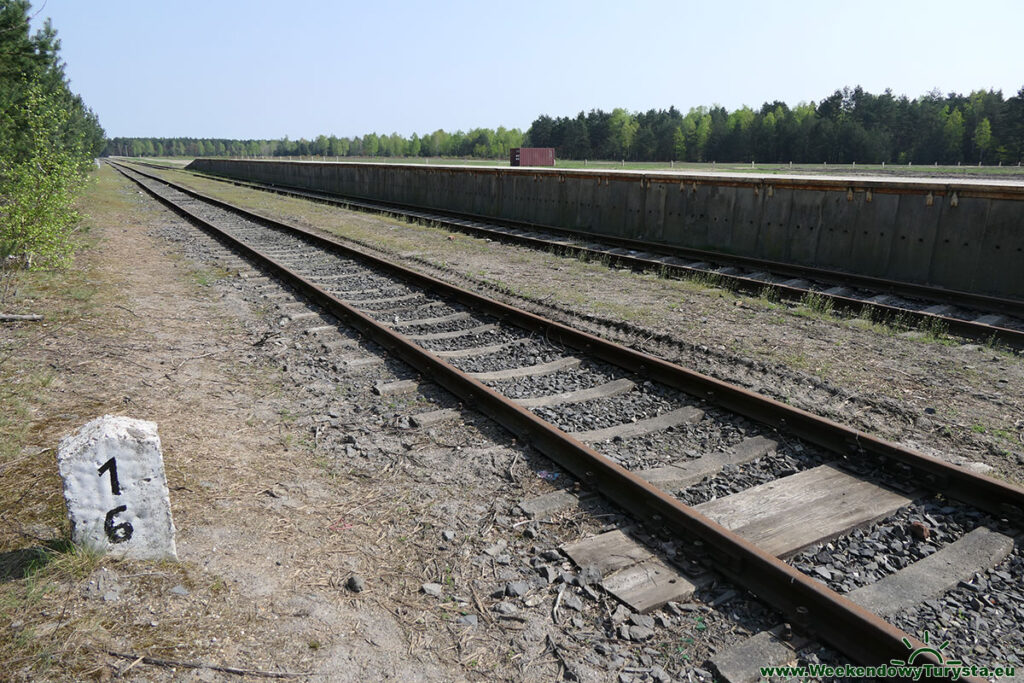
[959,326]
[861,635]
[979,490]
[981,302]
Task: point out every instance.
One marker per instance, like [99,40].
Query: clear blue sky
[262,69]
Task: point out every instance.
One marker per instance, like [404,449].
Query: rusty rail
[987,493]
[861,635]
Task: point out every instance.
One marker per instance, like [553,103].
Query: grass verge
[40,570]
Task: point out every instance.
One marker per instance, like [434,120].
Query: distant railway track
[978,317]
[601,410]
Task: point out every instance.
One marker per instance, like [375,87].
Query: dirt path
[267,537]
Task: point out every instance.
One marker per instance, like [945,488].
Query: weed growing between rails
[818,304]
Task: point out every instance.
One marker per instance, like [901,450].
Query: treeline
[483,143]
[850,126]
[48,140]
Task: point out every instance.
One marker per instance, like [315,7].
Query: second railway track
[974,316]
[760,480]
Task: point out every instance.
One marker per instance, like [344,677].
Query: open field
[170,162]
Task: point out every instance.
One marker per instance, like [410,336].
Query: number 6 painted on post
[117,533]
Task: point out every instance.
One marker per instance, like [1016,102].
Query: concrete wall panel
[694,228]
[614,199]
[674,209]
[747,209]
[1001,257]
[654,211]
[635,198]
[584,193]
[871,235]
[804,216]
[717,206]
[771,221]
[958,244]
[912,233]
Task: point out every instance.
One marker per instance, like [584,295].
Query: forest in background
[851,125]
[481,143]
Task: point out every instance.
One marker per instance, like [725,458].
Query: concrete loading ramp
[957,234]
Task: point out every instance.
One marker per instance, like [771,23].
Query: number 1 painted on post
[111,466]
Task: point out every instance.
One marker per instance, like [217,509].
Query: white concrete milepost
[116,489]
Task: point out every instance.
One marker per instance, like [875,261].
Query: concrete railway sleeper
[985,318]
[849,479]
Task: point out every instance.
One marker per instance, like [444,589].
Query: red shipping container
[532,156]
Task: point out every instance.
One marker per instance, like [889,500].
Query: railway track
[979,317]
[760,485]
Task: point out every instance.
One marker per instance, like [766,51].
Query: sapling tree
[37,191]
[48,139]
